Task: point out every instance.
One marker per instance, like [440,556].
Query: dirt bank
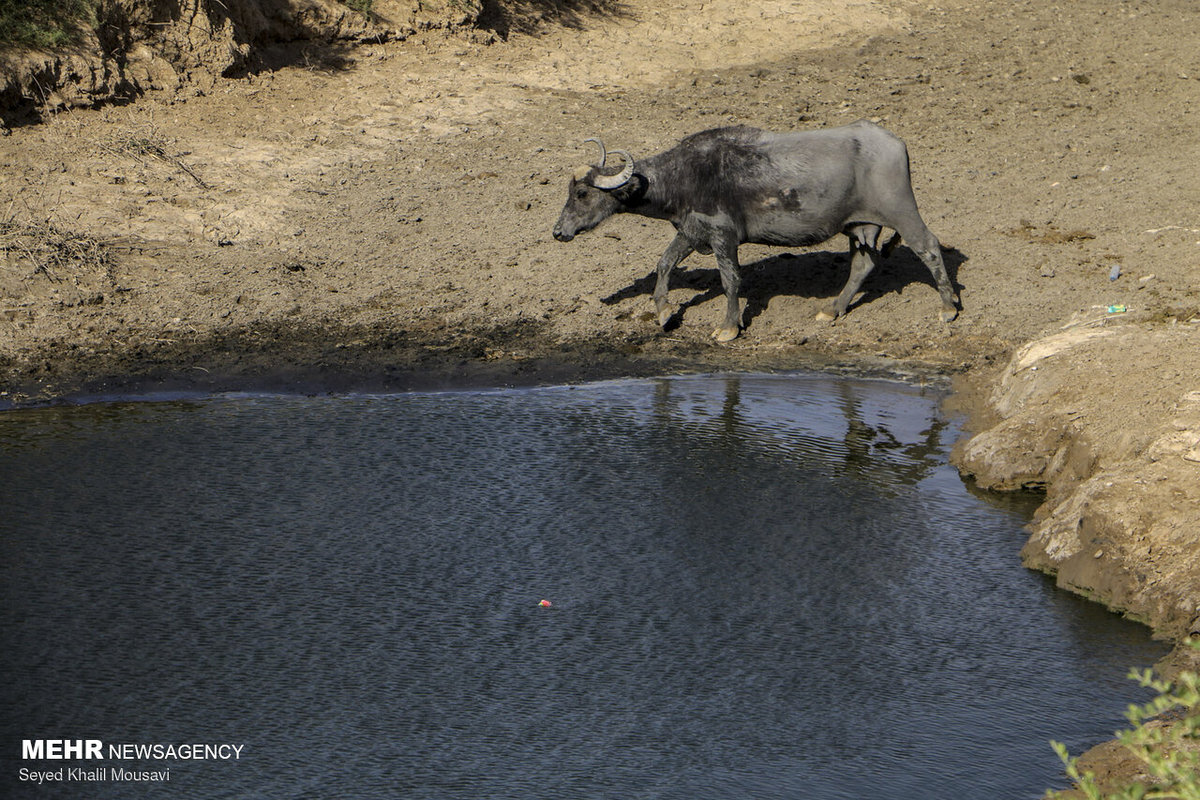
[125,49]
[379,215]
[1105,418]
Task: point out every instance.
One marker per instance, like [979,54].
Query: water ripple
[767,586]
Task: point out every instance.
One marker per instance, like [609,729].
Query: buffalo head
[590,198]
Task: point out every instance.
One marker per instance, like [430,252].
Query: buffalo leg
[863,258]
[908,223]
[926,246]
[727,263]
[676,251]
[930,252]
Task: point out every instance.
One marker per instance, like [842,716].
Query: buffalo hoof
[949,314]
[725,334]
[826,316]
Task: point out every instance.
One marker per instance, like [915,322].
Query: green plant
[361,6]
[44,23]
[1165,740]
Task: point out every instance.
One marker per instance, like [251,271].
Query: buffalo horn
[603,151]
[618,180]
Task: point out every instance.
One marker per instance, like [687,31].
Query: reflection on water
[766,586]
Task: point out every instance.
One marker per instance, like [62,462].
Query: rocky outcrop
[171,46]
[1107,421]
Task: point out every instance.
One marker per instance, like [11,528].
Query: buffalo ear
[632,191]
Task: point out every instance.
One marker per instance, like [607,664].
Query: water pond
[767,586]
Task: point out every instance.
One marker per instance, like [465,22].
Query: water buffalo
[723,187]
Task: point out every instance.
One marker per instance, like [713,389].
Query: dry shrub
[47,249]
[148,144]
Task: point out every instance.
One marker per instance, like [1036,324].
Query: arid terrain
[345,212]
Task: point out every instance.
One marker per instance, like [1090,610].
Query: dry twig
[50,250]
[148,144]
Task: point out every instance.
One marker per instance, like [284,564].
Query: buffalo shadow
[814,274]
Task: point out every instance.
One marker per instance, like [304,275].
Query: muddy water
[758,586]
